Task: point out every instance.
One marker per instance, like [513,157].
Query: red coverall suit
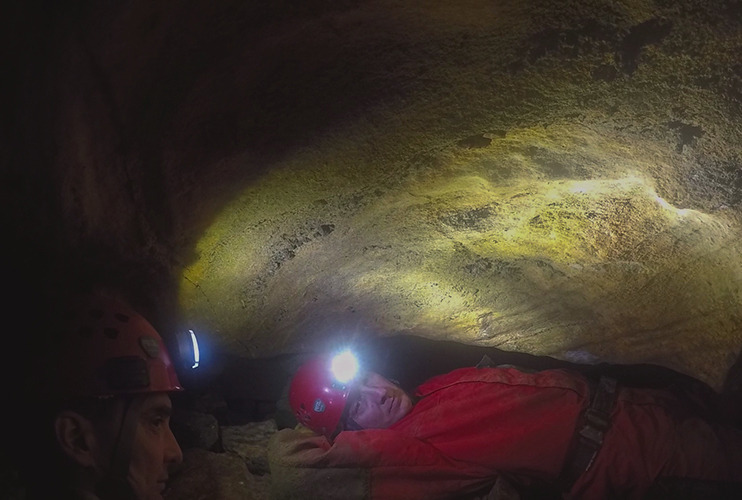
[473,424]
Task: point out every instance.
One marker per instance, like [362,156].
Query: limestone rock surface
[559,178]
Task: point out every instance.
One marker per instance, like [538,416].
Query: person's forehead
[156,401]
[375,377]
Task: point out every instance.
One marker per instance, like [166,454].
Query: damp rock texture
[561,178]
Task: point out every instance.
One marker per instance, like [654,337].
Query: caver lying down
[553,430]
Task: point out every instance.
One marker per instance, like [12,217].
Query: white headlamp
[344,366]
[188,351]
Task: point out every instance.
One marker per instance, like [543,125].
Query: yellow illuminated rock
[559,178]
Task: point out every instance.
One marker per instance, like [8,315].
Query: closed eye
[356,408]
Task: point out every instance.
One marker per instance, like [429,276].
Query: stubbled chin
[157,495]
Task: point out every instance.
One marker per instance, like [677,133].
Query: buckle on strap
[596,423]
[598,415]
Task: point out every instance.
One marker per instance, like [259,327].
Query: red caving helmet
[109,349]
[317,398]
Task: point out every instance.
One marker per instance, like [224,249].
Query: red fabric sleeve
[403,467]
[384,464]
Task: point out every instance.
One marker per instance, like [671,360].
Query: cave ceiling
[562,178]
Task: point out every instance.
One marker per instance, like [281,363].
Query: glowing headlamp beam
[344,366]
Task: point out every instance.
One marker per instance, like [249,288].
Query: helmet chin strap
[115,485]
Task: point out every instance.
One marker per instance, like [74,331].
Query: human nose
[173,453]
[375,394]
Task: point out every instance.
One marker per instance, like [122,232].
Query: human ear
[76,437]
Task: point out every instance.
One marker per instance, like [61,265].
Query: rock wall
[559,178]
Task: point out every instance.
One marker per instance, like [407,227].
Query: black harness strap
[589,435]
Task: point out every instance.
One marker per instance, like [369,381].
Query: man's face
[154,450]
[378,403]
